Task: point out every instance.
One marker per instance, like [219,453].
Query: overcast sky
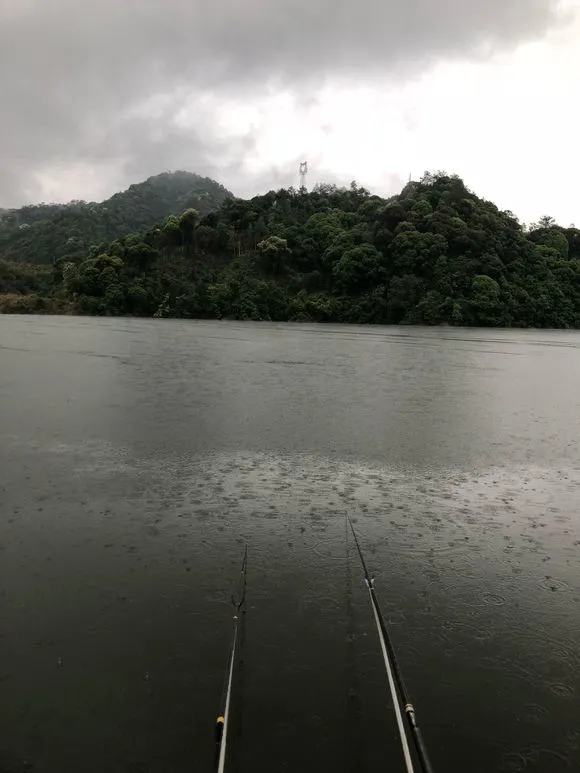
[97,94]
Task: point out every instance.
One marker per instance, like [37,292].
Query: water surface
[138,456]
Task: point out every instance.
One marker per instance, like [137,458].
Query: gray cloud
[73,75]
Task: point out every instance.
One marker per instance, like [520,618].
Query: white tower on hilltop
[303,171]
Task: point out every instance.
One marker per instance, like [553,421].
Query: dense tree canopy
[435,254]
[46,232]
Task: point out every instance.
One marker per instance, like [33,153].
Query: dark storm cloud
[72,70]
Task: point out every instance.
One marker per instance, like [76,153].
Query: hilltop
[43,233]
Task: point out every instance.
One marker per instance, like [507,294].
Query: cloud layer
[99,83]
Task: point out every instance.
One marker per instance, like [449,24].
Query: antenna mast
[303,171]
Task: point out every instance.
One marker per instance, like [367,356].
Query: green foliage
[486,303]
[359,268]
[23,279]
[273,250]
[436,254]
[48,232]
[28,289]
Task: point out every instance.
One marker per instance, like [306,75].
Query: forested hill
[435,254]
[45,232]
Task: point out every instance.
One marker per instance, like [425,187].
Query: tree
[413,252]
[273,249]
[359,268]
[486,306]
[188,224]
[546,222]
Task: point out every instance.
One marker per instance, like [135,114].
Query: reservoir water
[137,457]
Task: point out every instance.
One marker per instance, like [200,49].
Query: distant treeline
[434,254]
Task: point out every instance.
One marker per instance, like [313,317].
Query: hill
[45,232]
[434,254]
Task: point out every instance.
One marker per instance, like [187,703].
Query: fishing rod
[221,726]
[395,677]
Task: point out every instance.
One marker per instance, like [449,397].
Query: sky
[98,94]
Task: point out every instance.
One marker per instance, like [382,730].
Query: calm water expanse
[138,456]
